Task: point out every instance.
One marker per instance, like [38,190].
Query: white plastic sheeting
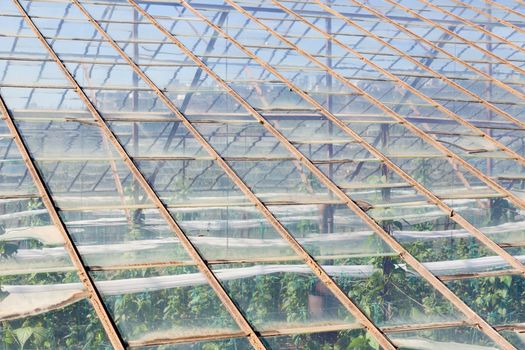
[24,300]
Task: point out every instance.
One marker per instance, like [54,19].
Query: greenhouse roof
[267,174]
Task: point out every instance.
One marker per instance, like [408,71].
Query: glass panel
[148,139]
[192,183]
[90,185]
[389,292]
[29,242]
[451,338]
[226,344]
[343,339]
[330,231]
[18,72]
[232,233]
[498,299]
[516,338]
[27,295]
[283,182]
[68,140]
[281,297]
[66,327]
[15,181]
[167,303]
[118,238]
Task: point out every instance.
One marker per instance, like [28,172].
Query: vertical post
[329,212]
[490,163]
[137,214]
[135,78]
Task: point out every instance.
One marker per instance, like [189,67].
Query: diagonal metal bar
[94,296]
[414,61]
[186,243]
[454,58]
[309,260]
[473,25]
[393,243]
[422,189]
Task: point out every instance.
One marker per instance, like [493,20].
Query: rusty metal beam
[310,261]
[432,198]
[435,282]
[483,274]
[307,329]
[427,326]
[186,243]
[316,329]
[330,328]
[94,296]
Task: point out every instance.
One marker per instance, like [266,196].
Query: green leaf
[507,280]
[23,334]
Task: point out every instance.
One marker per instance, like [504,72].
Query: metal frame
[491,183]
[455,35]
[414,263]
[336,192]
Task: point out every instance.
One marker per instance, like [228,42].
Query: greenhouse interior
[262,174]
